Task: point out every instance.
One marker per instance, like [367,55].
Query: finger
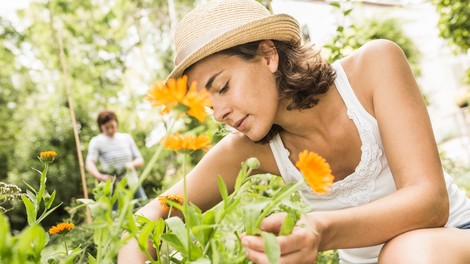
[273,223]
[298,240]
[299,257]
[253,243]
[256,256]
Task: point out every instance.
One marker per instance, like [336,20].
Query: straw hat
[221,24]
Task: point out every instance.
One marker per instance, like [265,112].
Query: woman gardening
[391,202]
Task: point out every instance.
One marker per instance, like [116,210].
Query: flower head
[47,156]
[171,197]
[175,95]
[316,171]
[186,142]
[61,229]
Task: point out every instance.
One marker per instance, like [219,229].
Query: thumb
[273,223]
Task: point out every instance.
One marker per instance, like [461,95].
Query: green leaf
[86,201]
[271,245]
[242,175]
[335,4]
[48,202]
[42,184]
[30,187]
[30,211]
[223,190]
[91,259]
[5,237]
[72,255]
[174,241]
[145,234]
[177,227]
[46,213]
[287,225]
[157,232]
[202,260]
[31,242]
[250,215]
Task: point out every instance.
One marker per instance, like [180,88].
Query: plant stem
[278,199]
[65,244]
[185,206]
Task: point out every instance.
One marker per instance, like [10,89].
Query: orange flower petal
[171,197]
[316,171]
[61,229]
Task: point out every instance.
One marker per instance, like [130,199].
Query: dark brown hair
[104,117]
[302,75]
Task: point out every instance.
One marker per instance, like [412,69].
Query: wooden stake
[74,121]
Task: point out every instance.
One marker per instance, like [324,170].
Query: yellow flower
[186,142]
[61,229]
[47,156]
[175,93]
[316,171]
[172,197]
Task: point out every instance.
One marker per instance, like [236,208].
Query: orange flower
[316,171]
[186,142]
[47,156]
[171,197]
[61,229]
[197,103]
[175,93]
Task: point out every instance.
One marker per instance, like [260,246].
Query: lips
[237,125]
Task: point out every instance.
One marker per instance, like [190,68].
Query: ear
[268,51]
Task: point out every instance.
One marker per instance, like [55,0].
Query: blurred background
[109,52]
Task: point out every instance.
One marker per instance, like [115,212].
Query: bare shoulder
[378,65]
[378,59]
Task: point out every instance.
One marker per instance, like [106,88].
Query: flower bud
[253,163]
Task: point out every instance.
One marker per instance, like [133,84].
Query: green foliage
[112,50]
[352,34]
[453,23]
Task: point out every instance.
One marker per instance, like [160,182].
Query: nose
[221,113]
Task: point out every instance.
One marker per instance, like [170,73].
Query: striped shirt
[112,152]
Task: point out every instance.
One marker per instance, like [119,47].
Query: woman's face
[243,93]
[109,128]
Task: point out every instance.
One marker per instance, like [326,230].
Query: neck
[305,122]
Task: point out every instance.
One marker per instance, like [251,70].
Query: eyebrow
[211,80]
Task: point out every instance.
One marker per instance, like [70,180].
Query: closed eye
[225,88]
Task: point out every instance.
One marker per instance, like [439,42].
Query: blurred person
[115,152]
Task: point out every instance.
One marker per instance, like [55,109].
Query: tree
[454,22]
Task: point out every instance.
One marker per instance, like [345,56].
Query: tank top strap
[347,93]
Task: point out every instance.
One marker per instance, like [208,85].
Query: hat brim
[280,27]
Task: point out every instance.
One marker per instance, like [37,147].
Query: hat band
[199,42]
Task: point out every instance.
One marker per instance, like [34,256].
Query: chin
[255,137]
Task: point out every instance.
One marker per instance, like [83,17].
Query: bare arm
[412,154]
[421,198]
[138,162]
[93,170]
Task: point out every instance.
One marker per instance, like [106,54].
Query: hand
[301,246]
[130,165]
[106,177]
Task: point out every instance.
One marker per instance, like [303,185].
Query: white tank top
[371,179]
